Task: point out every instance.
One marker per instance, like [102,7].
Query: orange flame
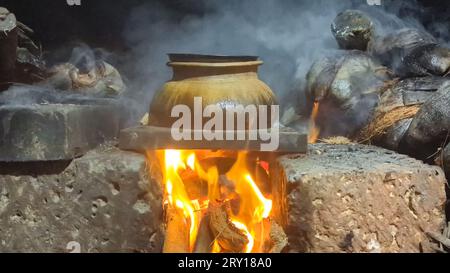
[176,192]
[254,206]
[314,130]
[251,241]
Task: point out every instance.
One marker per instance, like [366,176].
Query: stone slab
[356,198]
[48,132]
[143,138]
[103,201]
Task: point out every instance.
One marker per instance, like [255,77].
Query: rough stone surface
[103,200]
[355,198]
[54,131]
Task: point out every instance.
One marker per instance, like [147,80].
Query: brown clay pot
[220,80]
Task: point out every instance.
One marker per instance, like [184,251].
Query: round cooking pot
[219,80]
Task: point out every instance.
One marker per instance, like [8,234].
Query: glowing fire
[314,130]
[176,193]
[253,205]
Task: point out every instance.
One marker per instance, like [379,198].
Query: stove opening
[217,202]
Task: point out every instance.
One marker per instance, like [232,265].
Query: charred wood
[229,237]
[205,238]
[177,232]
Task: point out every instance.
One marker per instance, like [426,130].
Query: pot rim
[206,58]
[229,64]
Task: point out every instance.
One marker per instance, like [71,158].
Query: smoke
[24,95]
[287,35]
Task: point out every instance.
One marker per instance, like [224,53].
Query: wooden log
[279,184]
[205,238]
[278,240]
[196,188]
[177,232]
[222,159]
[8,47]
[229,237]
[228,191]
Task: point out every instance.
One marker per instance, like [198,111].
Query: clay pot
[219,80]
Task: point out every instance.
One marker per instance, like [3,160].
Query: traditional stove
[217,191]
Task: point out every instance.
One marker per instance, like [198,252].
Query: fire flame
[314,130]
[176,193]
[253,205]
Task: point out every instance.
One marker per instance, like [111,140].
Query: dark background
[100,23]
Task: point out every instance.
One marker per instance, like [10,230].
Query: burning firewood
[196,188]
[223,160]
[223,212]
[177,232]
[229,237]
[277,238]
[205,239]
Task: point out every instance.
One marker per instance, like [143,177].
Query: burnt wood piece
[278,239]
[228,236]
[143,138]
[205,238]
[177,232]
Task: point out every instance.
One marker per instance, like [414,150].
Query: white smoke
[287,35]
